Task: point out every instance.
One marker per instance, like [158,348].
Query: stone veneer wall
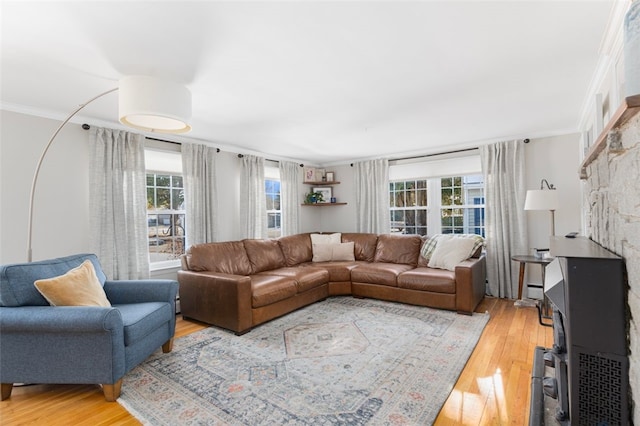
[612,201]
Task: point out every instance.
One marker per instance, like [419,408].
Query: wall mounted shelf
[322,183]
[629,108]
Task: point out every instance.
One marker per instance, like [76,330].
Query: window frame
[434,207]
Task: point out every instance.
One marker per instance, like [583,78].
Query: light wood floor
[493,389]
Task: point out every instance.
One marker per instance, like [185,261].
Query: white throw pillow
[321,252]
[343,251]
[335,238]
[333,252]
[450,251]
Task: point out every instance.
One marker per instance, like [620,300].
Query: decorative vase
[632,50]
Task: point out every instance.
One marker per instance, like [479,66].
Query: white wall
[61,219]
[557,160]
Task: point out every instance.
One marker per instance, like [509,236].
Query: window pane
[150,179]
[445,182]
[176,181]
[447,197]
[421,184]
[411,198]
[163,180]
[421,198]
[151,199]
[177,199]
[421,217]
[163,198]
[457,196]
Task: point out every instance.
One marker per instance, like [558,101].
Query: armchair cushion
[78,287]
[141,319]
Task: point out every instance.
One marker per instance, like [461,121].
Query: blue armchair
[40,343]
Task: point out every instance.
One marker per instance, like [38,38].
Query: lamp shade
[541,199]
[154,105]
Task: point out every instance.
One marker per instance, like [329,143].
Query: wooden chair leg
[5,391]
[167,346]
[112,392]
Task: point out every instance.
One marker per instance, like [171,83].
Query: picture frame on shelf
[309,174]
[326,191]
[331,177]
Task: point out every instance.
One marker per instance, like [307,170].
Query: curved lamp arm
[44,152]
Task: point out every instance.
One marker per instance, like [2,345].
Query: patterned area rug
[339,361]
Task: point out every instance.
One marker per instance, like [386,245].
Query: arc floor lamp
[145,103]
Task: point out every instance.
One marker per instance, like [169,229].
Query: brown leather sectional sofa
[237,285]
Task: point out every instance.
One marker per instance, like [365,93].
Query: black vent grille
[600,390]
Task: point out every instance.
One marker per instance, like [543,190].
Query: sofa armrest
[64,344]
[216,298]
[141,291]
[470,284]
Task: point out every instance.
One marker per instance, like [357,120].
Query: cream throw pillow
[450,251]
[333,252]
[78,287]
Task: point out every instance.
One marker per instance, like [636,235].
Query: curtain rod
[269,159]
[435,154]
[85,126]
[432,155]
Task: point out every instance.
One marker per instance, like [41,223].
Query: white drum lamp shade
[541,199]
[154,105]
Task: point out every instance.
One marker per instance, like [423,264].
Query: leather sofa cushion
[340,271]
[379,273]
[228,257]
[296,249]
[428,279]
[306,278]
[264,255]
[268,289]
[364,247]
[403,249]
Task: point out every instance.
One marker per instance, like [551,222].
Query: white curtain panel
[503,168]
[372,196]
[201,190]
[253,202]
[290,176]
[118,203]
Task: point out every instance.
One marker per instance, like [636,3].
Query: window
[165,216]
[451,205]
[409,206]
[462,205]
[274,214]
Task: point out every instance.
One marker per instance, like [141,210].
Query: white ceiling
[319,81]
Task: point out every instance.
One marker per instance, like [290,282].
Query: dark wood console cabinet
[589,359]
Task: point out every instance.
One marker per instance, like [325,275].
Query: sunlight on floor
[488,405]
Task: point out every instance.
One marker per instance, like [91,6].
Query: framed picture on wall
[331,177]
[309,174]
[326,193]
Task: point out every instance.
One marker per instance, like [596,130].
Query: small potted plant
[313,198]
